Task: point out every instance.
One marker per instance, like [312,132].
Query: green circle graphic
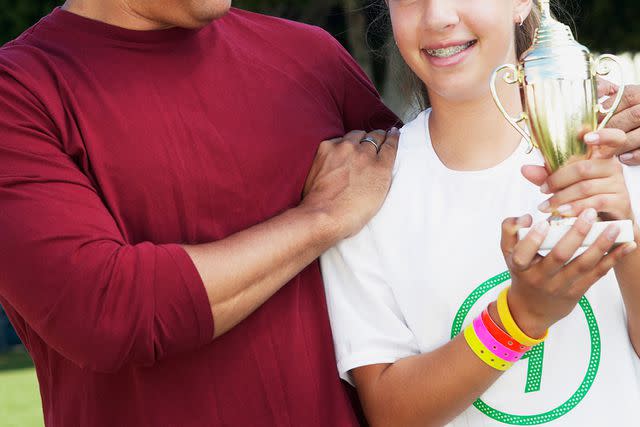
[578,395]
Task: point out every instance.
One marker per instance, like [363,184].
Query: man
[150,192]
[153,155]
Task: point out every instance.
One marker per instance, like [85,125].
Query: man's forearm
[243,271]
[628,275]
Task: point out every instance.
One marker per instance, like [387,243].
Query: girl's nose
[440,15]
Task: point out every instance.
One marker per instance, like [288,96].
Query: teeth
[449,51]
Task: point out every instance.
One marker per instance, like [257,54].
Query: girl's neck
[473,135]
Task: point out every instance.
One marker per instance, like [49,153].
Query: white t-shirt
[430,261]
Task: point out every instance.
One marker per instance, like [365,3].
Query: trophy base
[560,227]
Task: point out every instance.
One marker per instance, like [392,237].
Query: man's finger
[631,158]
[630,97]
[392,137]
[390,147]
[377,136]
[354,137]
[627,119]
[606,88]
[627,115]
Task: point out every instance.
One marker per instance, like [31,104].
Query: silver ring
[371,141]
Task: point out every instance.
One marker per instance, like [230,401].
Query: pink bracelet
[492,344]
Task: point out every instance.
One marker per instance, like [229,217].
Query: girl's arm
[433,388]
[600,183]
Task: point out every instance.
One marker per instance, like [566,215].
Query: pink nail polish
[589,215]
[541,227]
[592,138]
[565,209]
[612,233]
[630,247]
[544,206]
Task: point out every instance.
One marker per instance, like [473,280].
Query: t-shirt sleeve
[367,324]
[65,266]
[357,97]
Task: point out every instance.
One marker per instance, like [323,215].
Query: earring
[521,20]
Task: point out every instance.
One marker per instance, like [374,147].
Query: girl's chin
[459,91]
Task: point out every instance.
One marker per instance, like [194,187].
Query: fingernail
[589,215]
[564,209]
[541,227]
[522,220]
[544,188]
[612,233]
[629,247]
[394,130]
[544,206]
[626,157]
[592,138]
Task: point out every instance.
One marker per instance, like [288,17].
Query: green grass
[20,404]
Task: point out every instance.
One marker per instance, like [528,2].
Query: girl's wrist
[532,325]
[493,312]
[535,332]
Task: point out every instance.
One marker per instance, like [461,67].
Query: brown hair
[415,89]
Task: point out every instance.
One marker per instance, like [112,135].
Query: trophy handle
[605,71]
[509,77]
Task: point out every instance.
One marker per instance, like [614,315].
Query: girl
[439,314]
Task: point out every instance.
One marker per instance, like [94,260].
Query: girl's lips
[451,60]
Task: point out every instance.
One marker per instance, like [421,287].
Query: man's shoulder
[23,56]
[283,32]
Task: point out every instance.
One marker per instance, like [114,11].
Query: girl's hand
[596,183]
[546,289]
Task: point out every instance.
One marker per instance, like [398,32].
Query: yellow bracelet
[483,352]
[510,325]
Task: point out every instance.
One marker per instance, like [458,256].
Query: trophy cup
[557,81]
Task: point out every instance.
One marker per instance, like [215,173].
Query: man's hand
[349,179]
[626,118]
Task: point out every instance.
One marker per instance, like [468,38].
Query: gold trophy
[557,81]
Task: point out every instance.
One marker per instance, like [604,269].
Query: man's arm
[626,118]
[102,302]
[347,185]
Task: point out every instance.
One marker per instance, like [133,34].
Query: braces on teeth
[448,51]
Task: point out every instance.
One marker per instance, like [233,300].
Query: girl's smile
[449,54]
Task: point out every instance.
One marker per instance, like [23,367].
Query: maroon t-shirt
[118,145]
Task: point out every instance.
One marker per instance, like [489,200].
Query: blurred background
[611,26]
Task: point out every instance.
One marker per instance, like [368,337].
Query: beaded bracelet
[501,336]
[492,344]
[510,325]
[483,352]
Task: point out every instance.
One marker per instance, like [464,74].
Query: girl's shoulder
[414,133]
[413,141]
